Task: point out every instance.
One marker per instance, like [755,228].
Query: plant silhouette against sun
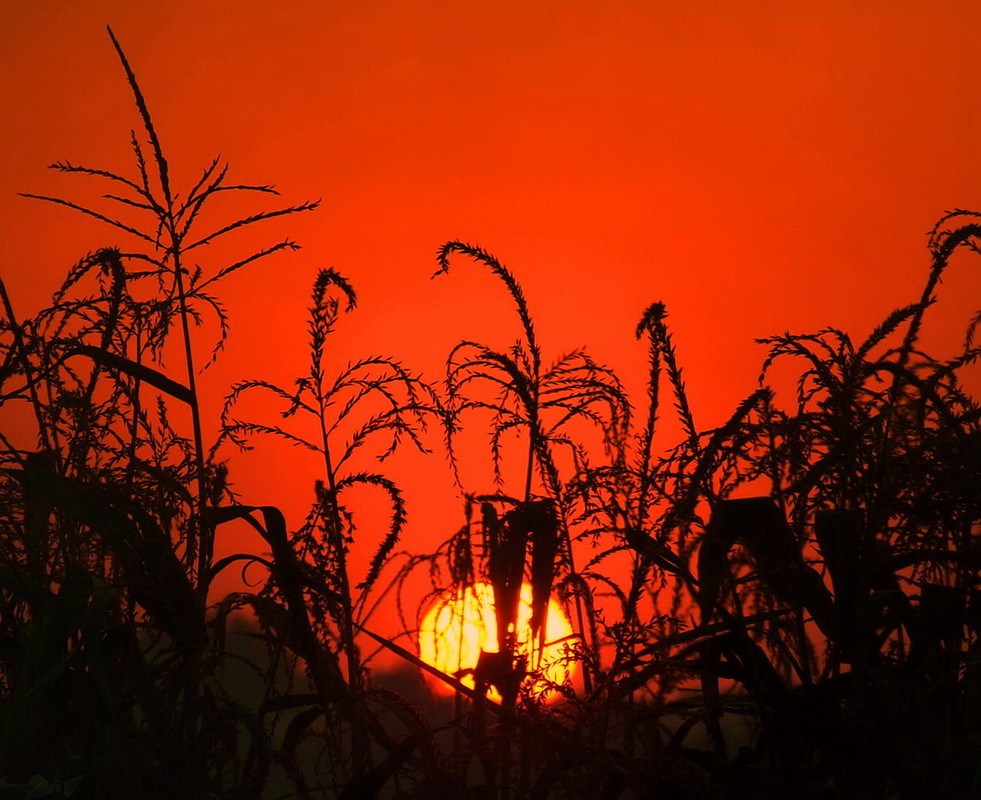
[524,396]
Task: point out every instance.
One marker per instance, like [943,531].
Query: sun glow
[462,623]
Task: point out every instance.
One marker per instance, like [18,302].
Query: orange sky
[756,166]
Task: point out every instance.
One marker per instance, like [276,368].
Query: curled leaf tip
[331,277]
[654,314]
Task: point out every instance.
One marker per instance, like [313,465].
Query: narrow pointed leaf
[138,371]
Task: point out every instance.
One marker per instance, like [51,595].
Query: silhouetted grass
[821,641]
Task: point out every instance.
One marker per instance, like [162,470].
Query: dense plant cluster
[783,606]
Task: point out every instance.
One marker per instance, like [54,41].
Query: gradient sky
[757,166]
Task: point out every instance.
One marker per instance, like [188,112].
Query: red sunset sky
[757,166]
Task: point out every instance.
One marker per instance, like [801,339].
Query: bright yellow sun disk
[462,623]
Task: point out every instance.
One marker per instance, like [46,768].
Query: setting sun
[462,623]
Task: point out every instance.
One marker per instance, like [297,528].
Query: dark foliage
[814,638]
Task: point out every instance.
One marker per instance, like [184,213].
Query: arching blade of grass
[449,680]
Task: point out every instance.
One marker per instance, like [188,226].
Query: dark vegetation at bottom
[817,640]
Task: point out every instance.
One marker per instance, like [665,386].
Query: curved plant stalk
[398,406]
[172,234]
[88,362]
[521,394]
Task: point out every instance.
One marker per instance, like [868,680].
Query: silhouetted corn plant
[173,232]
[372,398]
[527,537]
[842,604]
[107,555]
[522,395]
[650,504]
